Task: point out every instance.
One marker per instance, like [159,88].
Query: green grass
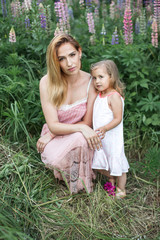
[33,205]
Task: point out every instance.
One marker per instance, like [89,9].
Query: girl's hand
[101,132]
[91,136]
[43,141]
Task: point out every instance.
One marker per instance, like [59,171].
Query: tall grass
[35,206]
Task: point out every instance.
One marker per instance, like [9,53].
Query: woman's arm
[57,128]
[116,107]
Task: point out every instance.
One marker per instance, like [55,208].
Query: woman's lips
[71,69]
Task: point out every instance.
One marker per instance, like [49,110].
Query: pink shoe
[109,188]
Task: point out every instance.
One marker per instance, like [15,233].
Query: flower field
[33,205]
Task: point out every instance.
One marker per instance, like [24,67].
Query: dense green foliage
[33,205]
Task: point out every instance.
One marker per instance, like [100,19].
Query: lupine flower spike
[109,188]
[12,36]
[115,39]
[128,36]
[154,34]
[103,33]
[4,8]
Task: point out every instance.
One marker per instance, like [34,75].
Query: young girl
[108,123]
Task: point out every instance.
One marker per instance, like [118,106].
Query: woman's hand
[43,141]
[91,136]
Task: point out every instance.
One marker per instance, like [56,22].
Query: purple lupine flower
[12,36]
[115,38]
[89,4]
[150,21]
[120,4]
[109,188]
[128,32]
[4,8]
[27,22]
[137,26]
[154,34]
[139,4]
[104,9]
[43,21]
[61,10]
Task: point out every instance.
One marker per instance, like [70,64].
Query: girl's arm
[115,103]
[57,128]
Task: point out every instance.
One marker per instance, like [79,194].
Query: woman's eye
[73,54]
[60,59]
[101,76]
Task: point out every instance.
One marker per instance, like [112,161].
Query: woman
[67,96]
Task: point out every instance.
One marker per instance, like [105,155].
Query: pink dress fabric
[69,156]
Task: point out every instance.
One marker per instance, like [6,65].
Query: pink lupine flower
[27,4]
[154,34]
[128,26]
[81,3]
[12,36]
[128,3]
[90,22]
[15,8]
[112,10]
[156,5]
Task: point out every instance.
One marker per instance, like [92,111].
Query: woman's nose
[69,62]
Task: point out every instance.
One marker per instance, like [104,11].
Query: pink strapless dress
[69,155]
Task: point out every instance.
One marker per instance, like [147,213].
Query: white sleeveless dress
[111,157]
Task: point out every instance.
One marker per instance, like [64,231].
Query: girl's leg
[112,179]
[121,181]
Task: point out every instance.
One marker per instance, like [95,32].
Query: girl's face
[101,79]
[69,59]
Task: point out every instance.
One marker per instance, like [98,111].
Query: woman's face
[69,59]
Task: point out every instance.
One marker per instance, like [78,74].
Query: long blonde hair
[57,84]
[113,72]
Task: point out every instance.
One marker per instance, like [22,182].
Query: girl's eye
[73,54]
[101,76]
[93,78]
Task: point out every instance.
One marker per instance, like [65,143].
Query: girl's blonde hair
[57,84]
[113,72]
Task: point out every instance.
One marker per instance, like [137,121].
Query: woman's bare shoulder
[86,75]
[43,83]
[43,80]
